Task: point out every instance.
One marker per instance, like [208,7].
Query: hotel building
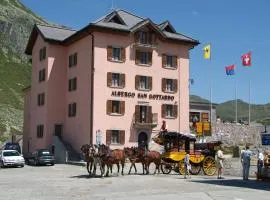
[114,81]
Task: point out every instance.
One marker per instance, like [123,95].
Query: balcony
[147,122]
[145,40]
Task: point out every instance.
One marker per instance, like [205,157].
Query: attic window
[116,20]
[169,29]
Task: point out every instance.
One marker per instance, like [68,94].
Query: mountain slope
[226,110]
[16,22]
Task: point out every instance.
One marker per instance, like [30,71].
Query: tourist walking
[260,163]
[187,165]
[245,160]
[220,165]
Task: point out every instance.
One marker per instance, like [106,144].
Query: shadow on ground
[250,184]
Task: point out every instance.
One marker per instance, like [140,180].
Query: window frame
[119,57]
[118,107]
[72,60]
[72,109]
[40,130]
[169,107]
[145,81]
[41,99]
[72,84]
[117,134]
[42,75]
[117,80]
[171,85]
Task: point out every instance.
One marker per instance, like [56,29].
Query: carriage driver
[164,128]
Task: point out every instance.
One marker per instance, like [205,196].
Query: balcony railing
[150,122]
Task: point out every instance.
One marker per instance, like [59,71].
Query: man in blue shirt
[245,159]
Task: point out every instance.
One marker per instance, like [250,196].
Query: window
[169,85]
[115,80]
[169,61]
[115,137]
[116,53]
[143,82]
[143,37]
[72,60]
[115,107]
[143,58]
[169,111]
[41,99]
[72,109]
[143,114]
[41,76]
[72,84]
[42,54]
[40,131]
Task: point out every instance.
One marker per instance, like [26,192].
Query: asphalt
[73,182]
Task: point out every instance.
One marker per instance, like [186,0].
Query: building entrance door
[142,139]
[58,130]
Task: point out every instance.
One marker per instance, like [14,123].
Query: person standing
[245,159]
[187,165]
[260,164]
[220,166]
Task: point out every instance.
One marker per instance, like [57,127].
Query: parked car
[13,146]
[11,158]
[41,157]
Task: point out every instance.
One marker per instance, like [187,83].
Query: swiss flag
[246,59]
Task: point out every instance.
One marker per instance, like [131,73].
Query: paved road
[72,182]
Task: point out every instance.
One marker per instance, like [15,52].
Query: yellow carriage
[176,145]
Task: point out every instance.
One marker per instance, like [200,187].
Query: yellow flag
[207,52]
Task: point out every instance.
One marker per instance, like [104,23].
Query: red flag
[246,59]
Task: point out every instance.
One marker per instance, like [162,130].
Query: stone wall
[236,134]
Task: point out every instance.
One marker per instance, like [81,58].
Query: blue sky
[232,27]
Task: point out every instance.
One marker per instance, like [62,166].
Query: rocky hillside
[16,23]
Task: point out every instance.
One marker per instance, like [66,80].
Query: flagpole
[236,101]
[249,91]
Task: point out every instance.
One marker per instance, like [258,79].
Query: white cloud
[195,13]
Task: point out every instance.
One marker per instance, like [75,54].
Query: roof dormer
[166,26]
[114,18]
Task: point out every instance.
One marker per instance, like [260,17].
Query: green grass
[14,76]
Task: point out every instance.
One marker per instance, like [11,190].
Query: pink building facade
[114,82]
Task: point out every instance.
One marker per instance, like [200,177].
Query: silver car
[11,158]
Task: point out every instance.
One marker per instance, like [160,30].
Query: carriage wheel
[195,169]
[181,167]
[209,166]
[166,168]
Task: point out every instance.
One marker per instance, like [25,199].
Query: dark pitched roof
[49,33]
[117,20]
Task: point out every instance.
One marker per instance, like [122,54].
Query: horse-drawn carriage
[176,146]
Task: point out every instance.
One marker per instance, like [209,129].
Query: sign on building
[265,139]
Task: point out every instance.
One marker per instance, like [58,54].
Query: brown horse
[85,149]
[148,157]
[130,153]
[110,157]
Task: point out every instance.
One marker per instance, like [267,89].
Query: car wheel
[22,166]
[35,163]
